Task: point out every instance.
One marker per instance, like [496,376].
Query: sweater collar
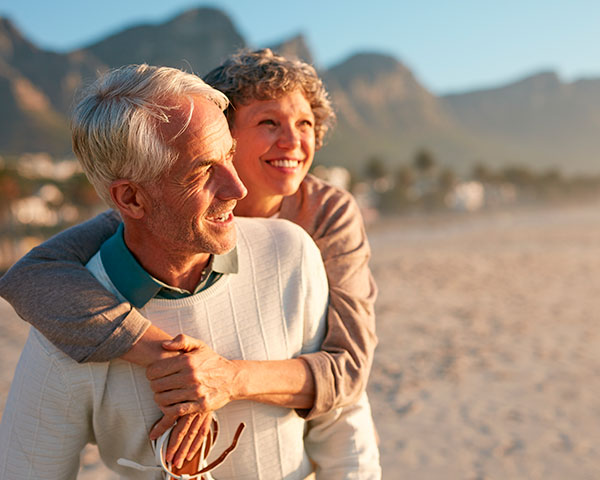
[139,287]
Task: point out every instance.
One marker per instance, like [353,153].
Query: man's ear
[130,199]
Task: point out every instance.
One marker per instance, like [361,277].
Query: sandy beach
[489,355]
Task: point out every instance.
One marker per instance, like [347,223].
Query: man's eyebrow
[202,162]
[205,162]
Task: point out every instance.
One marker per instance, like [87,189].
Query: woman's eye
[267,121]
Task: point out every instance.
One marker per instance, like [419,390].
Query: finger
[183,342]
[171,382]
[162,426]
[181,409]
[181,395]
[178,435]
[201,436]
[180,342]
[165,367]
[187,441]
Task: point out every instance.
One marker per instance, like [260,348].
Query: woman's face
[275,145]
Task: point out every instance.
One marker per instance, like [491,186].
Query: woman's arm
[51,289]
[332,218]
[88,323]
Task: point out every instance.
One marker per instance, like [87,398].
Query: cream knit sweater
[274,308]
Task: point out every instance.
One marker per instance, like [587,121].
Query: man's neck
[179,270]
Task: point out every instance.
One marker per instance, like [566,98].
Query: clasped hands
[188,387]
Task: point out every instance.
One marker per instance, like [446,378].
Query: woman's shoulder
[322,198]
[318,206]
[319,190]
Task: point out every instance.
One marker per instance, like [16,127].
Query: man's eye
[199,174]
[267,121]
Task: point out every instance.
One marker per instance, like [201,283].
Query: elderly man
[155,144]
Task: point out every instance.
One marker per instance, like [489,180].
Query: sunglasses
[198,463]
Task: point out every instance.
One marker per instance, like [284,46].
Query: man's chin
[224,245]
[224,250]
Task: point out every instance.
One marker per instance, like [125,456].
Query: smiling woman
[279,115]
[276,146]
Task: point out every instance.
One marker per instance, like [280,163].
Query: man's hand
[186,438]
[196,381]
[183,398]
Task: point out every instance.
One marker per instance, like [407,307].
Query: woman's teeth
[285,163]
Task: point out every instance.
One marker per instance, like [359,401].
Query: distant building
[466,197]
[337,176]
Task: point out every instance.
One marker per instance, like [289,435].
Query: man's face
[192,205]
[275,144]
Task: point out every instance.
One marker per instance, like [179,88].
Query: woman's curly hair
[262,75]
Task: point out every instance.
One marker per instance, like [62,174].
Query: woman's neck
[258,207]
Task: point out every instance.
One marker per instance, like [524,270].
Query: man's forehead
[194,112]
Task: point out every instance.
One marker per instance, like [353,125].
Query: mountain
[196,40]
[38,87]
[28,121]
[383,110]
[377,91]
[294,47]
[540,120]
[56,75]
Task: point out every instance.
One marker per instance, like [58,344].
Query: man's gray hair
[116,126]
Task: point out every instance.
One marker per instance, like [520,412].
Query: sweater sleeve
[46,422]
[343,443]
[51,289]
[341,369]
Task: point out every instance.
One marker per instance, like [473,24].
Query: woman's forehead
[294,101]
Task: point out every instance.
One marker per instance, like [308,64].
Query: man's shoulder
[97,269]
[273,234]
[42,357]
[270,228]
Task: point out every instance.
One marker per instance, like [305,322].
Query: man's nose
[231,187]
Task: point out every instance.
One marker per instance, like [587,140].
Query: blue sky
[450,45]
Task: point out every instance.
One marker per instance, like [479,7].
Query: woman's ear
[130,198]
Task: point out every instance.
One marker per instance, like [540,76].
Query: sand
[489,355]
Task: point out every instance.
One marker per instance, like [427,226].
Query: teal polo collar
[138,286]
